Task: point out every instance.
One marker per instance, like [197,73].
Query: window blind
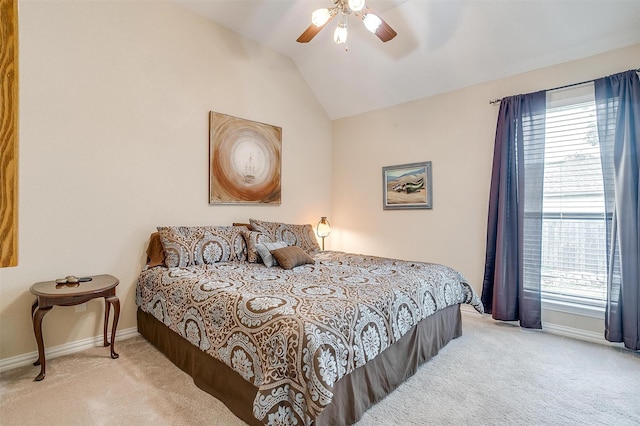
[573,263]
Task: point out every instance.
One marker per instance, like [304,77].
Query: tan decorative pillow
[199,245]
[155,251]
[294,235]
[292,256]
[246,225]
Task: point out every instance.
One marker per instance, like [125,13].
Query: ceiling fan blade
[312,30]
[384,30]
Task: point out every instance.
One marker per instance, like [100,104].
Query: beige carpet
[494,374]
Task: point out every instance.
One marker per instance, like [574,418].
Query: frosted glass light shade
[356,5]
[371,22]
[320,17]
[340,35]
[324,227]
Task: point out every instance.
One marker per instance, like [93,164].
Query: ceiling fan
[342,8]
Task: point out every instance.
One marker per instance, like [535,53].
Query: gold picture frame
[9,130]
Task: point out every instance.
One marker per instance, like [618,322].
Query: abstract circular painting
[244,161]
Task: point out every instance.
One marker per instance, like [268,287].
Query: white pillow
[264,250]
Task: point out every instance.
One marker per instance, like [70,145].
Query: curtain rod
[497,101]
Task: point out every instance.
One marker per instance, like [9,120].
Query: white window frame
[554,301]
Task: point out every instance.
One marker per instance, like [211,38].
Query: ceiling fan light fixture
[371,22]
[356,5]
[340,10]
[340,35]
[319,17]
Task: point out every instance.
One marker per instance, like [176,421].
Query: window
[573,223]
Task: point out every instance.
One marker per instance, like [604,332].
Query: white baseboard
[561,330]
[64,349]
[576,333]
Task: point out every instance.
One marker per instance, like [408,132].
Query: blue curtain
[618,115]
[511,285]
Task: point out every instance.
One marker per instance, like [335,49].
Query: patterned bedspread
[294,333]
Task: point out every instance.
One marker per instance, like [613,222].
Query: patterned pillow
[199,245]
[294,235]
[290,257]
[252,239]
[264,250]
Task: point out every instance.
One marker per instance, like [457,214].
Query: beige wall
[114,103]
[456,132]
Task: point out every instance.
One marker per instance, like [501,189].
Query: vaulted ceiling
[442,45]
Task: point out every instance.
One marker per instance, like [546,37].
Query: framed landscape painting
[244,161]
[407,186]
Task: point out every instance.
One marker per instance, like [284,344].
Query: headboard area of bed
[173,246]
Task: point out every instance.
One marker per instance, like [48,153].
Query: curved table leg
[107,309]
[112,300]
[37,329]
[33,307]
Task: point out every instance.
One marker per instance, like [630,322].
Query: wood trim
[9,133]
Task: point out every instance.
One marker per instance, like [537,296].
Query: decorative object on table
[323,229]
[244,161]
[73,279]
[52,293]
[407,186]
[342,9]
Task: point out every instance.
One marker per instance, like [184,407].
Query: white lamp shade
[371,22]
[356,5]
[320,17]
[324,228]
[340,35]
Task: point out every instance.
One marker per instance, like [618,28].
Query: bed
[316,340]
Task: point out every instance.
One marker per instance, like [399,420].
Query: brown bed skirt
[352,394]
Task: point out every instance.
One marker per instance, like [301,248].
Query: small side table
[49,294]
